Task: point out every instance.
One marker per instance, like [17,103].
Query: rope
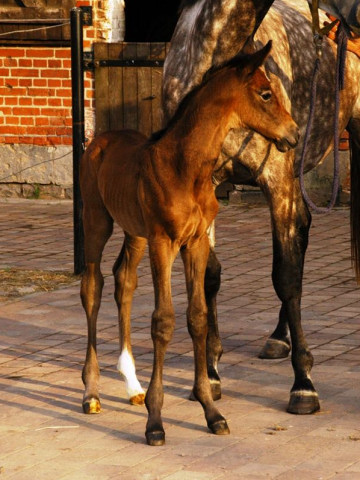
[35,165]
[34,29]
[339,85]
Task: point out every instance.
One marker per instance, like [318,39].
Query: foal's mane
[240,60]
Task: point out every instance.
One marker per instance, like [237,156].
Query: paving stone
[44,433]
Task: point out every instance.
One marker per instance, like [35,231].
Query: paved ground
[44,434]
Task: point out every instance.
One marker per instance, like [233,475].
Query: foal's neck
[198,134]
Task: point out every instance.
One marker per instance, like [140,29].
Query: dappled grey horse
[210,31]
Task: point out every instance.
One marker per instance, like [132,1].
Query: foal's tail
[355,201]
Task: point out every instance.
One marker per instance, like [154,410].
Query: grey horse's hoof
[274,349]
[303,402]
[155,439]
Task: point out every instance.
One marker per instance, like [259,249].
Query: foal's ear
[255,60]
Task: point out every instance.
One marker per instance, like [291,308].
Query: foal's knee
[162,326]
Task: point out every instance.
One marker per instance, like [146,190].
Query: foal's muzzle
[288,141]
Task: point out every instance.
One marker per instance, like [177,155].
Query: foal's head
[255,104]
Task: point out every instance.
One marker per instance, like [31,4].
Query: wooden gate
[128,80]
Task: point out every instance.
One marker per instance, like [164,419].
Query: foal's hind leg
[194,257]
[125,283]
[97,228]
[290,223]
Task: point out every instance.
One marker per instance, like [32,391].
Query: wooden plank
[116,110]
[130,89]
[102,99]
[157,51]
[144,99]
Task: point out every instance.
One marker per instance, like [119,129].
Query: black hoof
[91,406]
[155,439]
[274,349]
[215,389]
[303,403]
[220,427]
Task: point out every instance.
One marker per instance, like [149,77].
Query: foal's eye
[266,95]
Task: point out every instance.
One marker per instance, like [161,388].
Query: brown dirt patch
[15,283]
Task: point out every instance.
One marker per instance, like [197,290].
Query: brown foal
[160,191]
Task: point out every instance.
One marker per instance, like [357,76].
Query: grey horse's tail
[355,204]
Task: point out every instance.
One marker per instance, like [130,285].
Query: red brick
[11,100]
[40,82]
[22,111]
[63,92]
[25,82]
[55,112]
[9,130]
[66,64]
[11,52]
[12,120]
[25,101]
[40,52]
[55,73]
[66,83]
[4,72]
[54,102]
[63,53]
[27,121]
[40,63]
[11,140]
[40,101]
[42,121]
[12,82]
[54,82]
[54,63]
[5,110]
[41,92]
[10,62]
[67,102]
[25,62]
[24,72]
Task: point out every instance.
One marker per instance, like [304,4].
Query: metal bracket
[87,15]
[88,60]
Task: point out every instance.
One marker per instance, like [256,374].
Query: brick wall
[35,109]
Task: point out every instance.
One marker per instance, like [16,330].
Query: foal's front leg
[195,256]
[162,254]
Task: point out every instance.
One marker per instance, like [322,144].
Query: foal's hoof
[303,403]
[274,349]
[155,439]
[138,399]
[220,427]
[91,406]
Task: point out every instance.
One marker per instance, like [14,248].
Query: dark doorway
[150,20]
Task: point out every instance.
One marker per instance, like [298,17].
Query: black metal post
[77,79]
